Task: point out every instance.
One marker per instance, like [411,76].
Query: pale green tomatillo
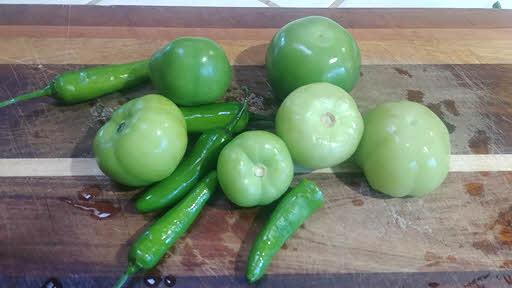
[405,149]
[143,142]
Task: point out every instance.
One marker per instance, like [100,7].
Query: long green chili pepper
[217,115]
[200,161]
[152,244]
[82,85]
[296,206]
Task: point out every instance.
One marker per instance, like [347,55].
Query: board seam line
[48,167]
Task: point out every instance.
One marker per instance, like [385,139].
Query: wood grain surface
[78,228]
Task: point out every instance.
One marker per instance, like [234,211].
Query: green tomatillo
[405,149]
[320,124]
[143,142]
[255,168]
[312,49]
[190,71]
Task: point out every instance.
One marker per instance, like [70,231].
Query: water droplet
[52,283]
[170,281]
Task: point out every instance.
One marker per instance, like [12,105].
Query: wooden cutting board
[457,62]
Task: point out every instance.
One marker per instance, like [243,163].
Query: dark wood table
[457,62]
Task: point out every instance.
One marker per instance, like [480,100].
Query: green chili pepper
[296,206]
[210,116]
[201,160]
[152,244]
[82,85]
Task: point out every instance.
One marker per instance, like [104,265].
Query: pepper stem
[131,269]
[47,91]
[121,281]
[229,128]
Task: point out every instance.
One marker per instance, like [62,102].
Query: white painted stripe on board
[44,167]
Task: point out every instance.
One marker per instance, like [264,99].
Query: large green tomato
[191,71]
[255,168]
[405,149]
[320,124]
[312,49]
[143,142]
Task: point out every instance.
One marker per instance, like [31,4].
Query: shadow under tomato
[248,71]
[357,182]
[254,55]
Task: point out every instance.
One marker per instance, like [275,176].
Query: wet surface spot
[504,227]
[403,72]
[450,106]
[474,189]
[415,96]
[432,264]
[451,258]
[486,246]
[436,108]
[433,259]
[170,281]
[479,142]
[98,210]
[152,281]
[357,202]
[506,264]
[89,193]
[505,236]
[52,283]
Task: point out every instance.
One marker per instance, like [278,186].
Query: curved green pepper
[210,116]
[82,85]
[218,115]
[296,206]
[152,244]
[200,161]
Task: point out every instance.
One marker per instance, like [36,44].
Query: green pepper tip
[47,91]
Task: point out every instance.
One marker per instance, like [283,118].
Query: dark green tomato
[190,71]
[312,49]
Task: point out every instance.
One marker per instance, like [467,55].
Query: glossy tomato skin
[320,124]
[191,71]
[405,149]
[312,49]
[255,168]
[143,142]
